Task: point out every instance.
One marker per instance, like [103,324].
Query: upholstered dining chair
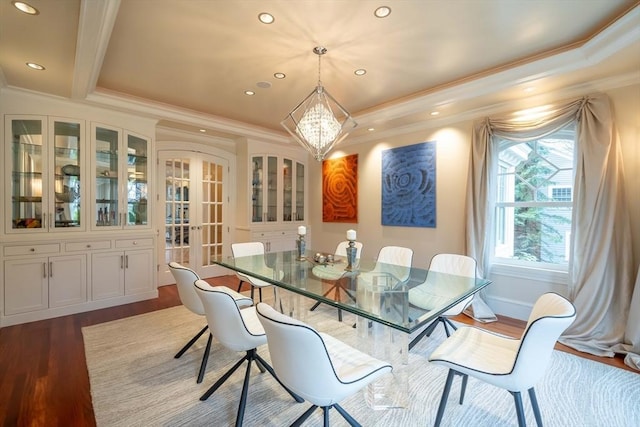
[514,364]
[436,290]
[316,366]
[238,330]
[341,251]
[249,249]
[392,268]
[185,279]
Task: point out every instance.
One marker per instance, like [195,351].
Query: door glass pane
[26,181]
[299,213]
[287,190]
[272,189]
[106,177]
[136,180]
[177,184]
[212,201]
[66,182]
[257,196]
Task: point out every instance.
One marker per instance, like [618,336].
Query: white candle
[302,230]
[351,234]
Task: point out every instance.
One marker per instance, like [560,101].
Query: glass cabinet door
[287,191]
[257,193]
[137,177]
[28,209]
[66,182]
[299,212]
[107,172]
[271,214]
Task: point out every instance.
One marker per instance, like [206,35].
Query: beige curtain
[600,282]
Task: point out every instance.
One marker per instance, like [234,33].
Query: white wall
[510,294]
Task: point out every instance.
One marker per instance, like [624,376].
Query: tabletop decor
[302,231]
[351,250]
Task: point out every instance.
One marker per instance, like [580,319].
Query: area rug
[136,381]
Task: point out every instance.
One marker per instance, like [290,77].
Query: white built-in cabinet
[76,234]
[125,271]
[278,185]
[35,281]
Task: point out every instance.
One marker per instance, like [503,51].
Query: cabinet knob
[88,246]
[32,250]
[135,243]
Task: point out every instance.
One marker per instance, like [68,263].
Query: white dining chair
[316,366]
[514,364]
[248,249]
[437,290]
[238,330]
[185,279]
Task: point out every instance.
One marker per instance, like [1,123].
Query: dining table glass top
[404,298]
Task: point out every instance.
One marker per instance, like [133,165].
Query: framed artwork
[409,185]
[340,189]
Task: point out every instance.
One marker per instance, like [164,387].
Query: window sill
[559,277]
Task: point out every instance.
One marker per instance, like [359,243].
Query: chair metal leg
[260,293]
[346,416]
[243,395]
[522,422]
[222,379]
[191,342]
[445,396]
[302,418]
[325,416]
[425,333]
[205,358]
[536,408]
[450,323]
[463,388]
[239,286]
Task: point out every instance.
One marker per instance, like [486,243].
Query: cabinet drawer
[32,249]
[87,246]
[133,243]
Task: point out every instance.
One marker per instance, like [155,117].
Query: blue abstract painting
[409,185]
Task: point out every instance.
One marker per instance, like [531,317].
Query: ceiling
[189,62]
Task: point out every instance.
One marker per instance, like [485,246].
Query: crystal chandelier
[319,122]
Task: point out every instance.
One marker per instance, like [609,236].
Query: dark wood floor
[43,371]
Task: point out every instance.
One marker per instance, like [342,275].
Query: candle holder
[351,255]
[301,245]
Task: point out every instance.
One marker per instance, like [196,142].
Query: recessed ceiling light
[266,18]
[263,85]
[249,92]
[279,75]
[360,72]
[529,89]
[35,66]
[371,129]
[203,130]
[382,12]
[434,113]
[24,7]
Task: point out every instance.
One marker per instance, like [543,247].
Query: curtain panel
[600,265]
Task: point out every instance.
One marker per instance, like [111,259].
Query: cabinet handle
[44,220]
[121,262]
[44,270]
[50,269]
[126,261]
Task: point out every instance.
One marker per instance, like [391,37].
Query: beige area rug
[135,381]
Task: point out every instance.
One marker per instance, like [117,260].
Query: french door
[193,205]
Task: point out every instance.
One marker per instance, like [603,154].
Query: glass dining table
[379,294]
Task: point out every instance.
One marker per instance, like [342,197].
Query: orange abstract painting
[340,189]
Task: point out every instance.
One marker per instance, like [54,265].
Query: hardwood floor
[43,372]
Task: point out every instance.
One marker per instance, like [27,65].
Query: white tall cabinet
[58,254]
